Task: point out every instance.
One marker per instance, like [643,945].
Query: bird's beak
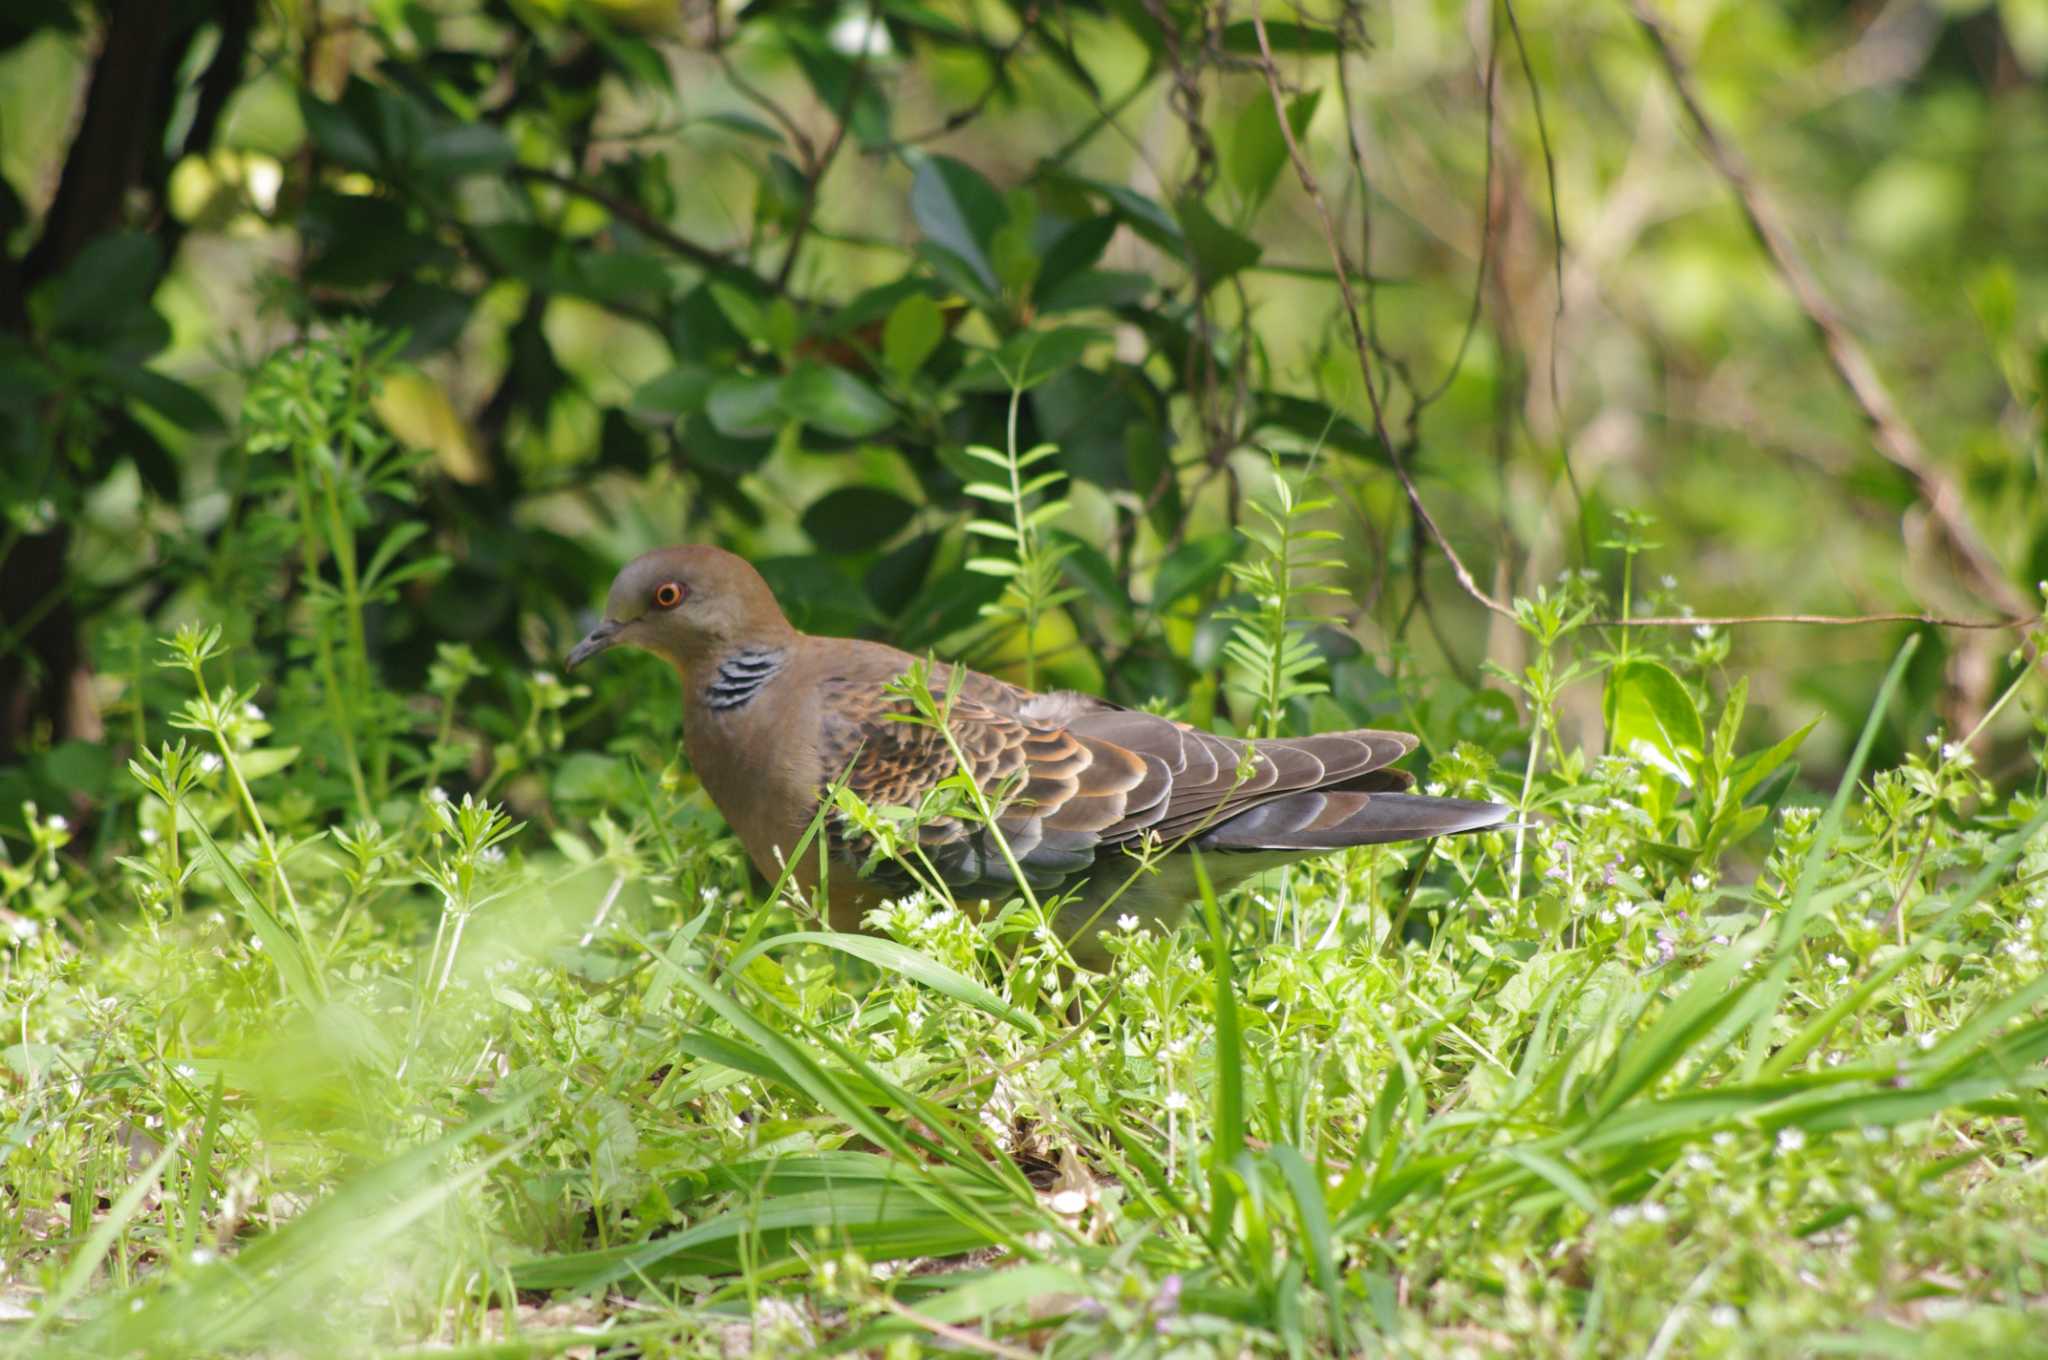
[599,638]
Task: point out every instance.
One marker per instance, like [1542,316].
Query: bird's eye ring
[668,595]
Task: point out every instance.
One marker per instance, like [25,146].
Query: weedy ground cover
[367,1017]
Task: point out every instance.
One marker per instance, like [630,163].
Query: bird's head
[687,604]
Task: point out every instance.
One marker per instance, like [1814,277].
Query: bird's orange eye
[668,595]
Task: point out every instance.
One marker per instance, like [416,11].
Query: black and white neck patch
[741,675]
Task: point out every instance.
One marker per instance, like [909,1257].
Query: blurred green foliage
[764,275]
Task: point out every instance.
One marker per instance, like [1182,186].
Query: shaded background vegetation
[758,275]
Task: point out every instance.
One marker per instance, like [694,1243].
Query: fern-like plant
[1269,638]
[1030,562]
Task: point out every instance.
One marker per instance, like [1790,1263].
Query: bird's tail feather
[1326,820]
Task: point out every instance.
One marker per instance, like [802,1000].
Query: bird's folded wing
[1066,782]
[1057,794]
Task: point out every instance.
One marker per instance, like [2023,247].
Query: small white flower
[492,855]
[437,794]
[1700,882]
[1724,1139]
[1791,1140]
[1068,1203]
[203,1256]
[150,836]
[1933,740]
[544,678]
[252,713]
[1654,1212]
[209,763]
[1669,581]
[1703,631]
[185,1071]
[1627,909]
[1927,1041]
[1873,1133]
[1126,922]
[1435,788]
[1624,1216]
[1724,1315]
[1950,750]
[1836,961]
[1176,1100]
[59,823]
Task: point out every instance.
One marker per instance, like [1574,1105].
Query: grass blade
[896,958]
[301,977]
[1771,990]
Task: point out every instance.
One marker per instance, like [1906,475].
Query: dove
[1098,807]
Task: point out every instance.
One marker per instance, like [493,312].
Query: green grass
[430,1080]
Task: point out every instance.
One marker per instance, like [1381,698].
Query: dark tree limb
[116,151]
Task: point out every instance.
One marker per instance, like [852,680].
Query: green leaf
[1313,1218]
[294,966]
[337,132]
[882,1223]
[681,391]
[1651,718]
[103,294]
[1072,252]
[834,402]
[1754,768]
[185,407]
[1193,566]
[913,331]
[1026,360]
[743,407]
[896,958]
[1258,149]
[856,518]
[743,310]
[817,595]
[1145,216]
[1230,1056]
[1216,251]
[1084,565]
[958,209]
[265,761]
[430,316]
[457,149]
[1104,288]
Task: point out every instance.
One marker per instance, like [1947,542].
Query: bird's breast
[757,760]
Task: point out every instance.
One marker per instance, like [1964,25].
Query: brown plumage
[772,718]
